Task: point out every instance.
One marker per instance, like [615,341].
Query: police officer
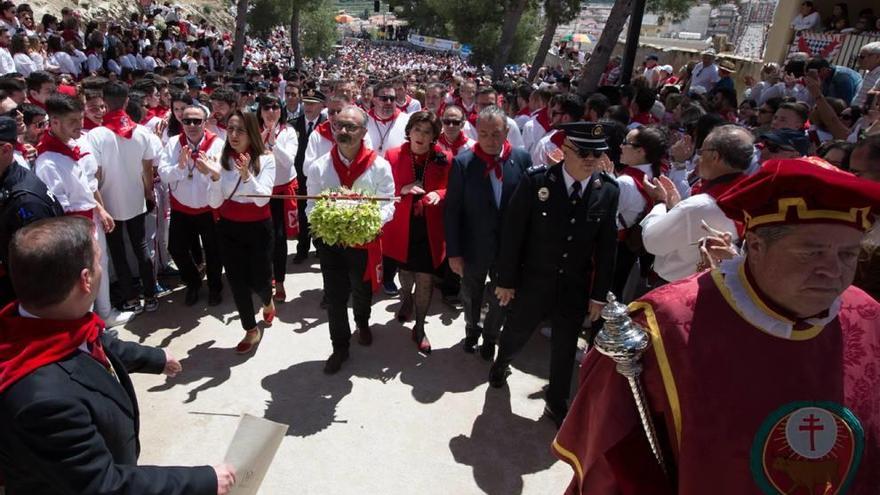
[558,244]
[23,199]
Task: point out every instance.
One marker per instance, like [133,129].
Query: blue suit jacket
[472,219]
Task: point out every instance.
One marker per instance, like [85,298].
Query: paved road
[391,422]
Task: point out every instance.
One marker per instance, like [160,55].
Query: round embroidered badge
[805,448]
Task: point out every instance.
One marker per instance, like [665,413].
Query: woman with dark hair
[173,126]
[21,55]
[836,152]
[414,236]
[244,229]
[48,24]
[282,141]
[642,154]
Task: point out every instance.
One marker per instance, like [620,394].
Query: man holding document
[69,417]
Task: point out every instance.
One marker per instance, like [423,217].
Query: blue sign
[466,50]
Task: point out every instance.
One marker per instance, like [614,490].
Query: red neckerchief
[380,120]
[524,111]
[454,146]
[278,129]
[160,111]
[543,118]
[221,125]
[89,124]
[19,147]
[360,164]
[50,142]
[717,186]
[557,138]
[120,123]
[324,130]
[645,118]
[638,177]
[35,102]
[472,118]
[27,344]
[405,104]
[494,163]
[204,144]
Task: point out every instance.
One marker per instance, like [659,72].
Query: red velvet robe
[723,394]
[395,234]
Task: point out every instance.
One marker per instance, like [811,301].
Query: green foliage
[318,33]
[672,10]
[345,222]
[265,15]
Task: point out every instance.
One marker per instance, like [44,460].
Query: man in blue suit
[480,185]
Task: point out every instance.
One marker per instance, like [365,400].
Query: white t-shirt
[121,161]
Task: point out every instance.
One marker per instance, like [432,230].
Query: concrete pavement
[391,422]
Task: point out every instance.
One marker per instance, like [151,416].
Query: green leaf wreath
[339,220]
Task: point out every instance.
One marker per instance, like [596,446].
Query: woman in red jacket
[414,237]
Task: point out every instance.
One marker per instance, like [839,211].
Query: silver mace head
[621,339]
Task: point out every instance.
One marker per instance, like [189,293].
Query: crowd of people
[521,202]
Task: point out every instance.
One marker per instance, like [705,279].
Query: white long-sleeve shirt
[670,235]
[225,188]
[387,135]
[532,132]
[631,203]
[24,64]
[286,144]
[376,180]
[189,191]
[122,161]
[7,64]
[67,180]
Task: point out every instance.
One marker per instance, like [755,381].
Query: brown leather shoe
[365,336]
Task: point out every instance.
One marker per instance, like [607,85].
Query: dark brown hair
[257,148]
[424,116]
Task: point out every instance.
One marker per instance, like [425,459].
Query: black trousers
[473,288]
[246,249]
[116,244]
[184,232]
[343,273]
[567,306]
[304,238]
[279,234]
[389,269]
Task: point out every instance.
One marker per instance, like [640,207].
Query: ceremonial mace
[624,341]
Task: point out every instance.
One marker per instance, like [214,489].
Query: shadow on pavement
[204,361]
[303,311]
[503,447]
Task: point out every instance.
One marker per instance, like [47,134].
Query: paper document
[251,452]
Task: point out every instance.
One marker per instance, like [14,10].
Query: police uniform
[557,251]
[23,199]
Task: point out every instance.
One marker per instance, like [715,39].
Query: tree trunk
[589,80]
[294,37]
[547,40]
[240,24]
[512,16]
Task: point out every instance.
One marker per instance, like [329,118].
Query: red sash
[455,146]
[120,123]
[347,177]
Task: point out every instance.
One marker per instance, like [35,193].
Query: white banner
[434,43]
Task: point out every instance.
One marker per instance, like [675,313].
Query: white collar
[25,313]
[569,181]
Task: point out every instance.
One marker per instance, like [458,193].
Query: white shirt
[706,77]
[513,135]
[286,144]
[24,64]
[631,203]
[532,133]
[670,235]
[230,184]
[542,150]
[64,63]
[94,63]
[412,106]
[121,161]
[387,135]
[376,180]
[569,182]
[190,191]
[808,23]
[871,79]
[149,64]
[7,65]
[67,180]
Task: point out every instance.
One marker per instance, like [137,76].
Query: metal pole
[632,41]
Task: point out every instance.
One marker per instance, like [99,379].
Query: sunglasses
[386,99]
[452,122]
[272,107]
[191,122]
[586,153]
[342,126]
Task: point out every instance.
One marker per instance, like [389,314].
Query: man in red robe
[762,374]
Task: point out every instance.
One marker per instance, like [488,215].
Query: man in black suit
[481,183]
[68,412]
[312,105]
[558,245]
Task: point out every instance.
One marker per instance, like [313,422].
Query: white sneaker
[547,331]
[116,318]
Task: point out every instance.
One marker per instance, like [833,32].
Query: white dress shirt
[808,23]
[121,161]
[869,82]
[376,180]
[230,184]
[532,133]
[631,203]
[286,144]
[671,235]
[7,64]
[24,64]
[189,191]
[67,180]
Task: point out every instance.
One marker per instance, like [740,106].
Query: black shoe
[192,296]
[487,351]
[390,288]
[215,298]
[324,302]
[498,375]
[365,336]
[299,258]
[334,362]
[470,344]
[556,413]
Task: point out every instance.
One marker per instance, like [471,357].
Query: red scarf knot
[50,142]
[120,123]
[494,163]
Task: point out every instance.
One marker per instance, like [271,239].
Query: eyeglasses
[272,107]
[631,143]
[235,130]
[347,127]
[452,122]
[191,122]
[386,98]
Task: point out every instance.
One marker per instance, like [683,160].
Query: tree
[295,45]
[240,25]
[556,12]
[513,12]
[602,51]
[318,29]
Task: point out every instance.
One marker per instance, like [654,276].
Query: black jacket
[541,246]
[71,428]
[299,124]
[472,219]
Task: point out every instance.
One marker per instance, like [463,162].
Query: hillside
[216,11]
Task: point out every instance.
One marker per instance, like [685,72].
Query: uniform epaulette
[536,169]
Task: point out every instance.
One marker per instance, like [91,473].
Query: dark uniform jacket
[72,428]
[472,219]
[301,126]
[546,240]
[24,199]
